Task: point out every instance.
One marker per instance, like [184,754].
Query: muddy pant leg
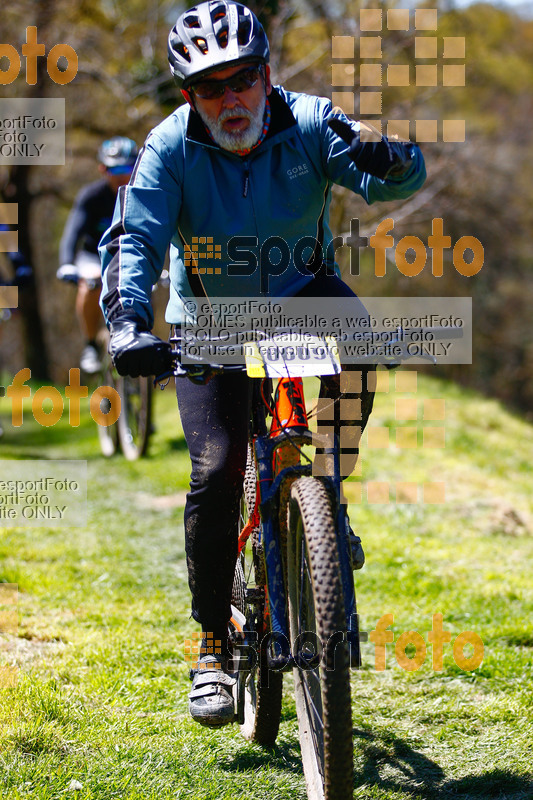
[215,423]
[345,400]
[345,405]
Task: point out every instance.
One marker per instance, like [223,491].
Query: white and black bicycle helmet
[118,152]
[214,35]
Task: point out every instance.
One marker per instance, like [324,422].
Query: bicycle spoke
[304,622]
[317,726]
[313,698]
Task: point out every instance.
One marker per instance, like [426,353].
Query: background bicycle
[131,432]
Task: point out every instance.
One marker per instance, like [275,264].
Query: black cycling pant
[215,422]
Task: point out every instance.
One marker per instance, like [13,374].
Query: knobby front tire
[261,687]
[318,643]
[135,419]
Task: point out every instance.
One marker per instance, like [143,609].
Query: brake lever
[405,356]
[199,374]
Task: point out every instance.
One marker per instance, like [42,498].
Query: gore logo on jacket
[296,172]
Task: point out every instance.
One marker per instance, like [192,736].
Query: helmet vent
[183,51]
[244,31]
[200,43]
[218,13]
[222,36]
[191,22]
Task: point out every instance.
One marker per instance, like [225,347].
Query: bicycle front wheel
[319,643]
[135,418]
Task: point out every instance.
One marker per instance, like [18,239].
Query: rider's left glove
[383,159]
[135,351]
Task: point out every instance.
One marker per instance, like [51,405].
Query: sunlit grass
[104,610]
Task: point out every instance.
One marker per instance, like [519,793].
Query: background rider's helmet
[118,152]
[214,35]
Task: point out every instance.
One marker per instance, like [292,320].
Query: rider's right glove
[135,351]
[383,159]
[68,273]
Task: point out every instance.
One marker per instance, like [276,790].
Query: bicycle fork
[290,429]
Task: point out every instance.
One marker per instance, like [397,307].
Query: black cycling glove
[135,351]
[383,159]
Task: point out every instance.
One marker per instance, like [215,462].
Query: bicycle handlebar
[403,337]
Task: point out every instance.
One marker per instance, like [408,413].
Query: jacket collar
[282,119]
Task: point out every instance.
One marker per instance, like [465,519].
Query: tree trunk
[35,353]
[18,191]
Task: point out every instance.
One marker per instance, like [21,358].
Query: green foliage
[480,188]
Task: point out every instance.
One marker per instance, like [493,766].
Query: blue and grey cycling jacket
[238,226]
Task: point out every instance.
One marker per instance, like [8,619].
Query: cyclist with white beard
[241,158]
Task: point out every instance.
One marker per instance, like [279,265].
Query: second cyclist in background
[78,251]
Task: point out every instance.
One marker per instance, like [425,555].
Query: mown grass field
[104,610]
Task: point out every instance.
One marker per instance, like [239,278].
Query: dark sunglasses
[240,82]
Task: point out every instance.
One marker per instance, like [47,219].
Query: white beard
[235,140]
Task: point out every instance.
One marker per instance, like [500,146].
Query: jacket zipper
[245,187]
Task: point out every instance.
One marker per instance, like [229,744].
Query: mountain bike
[131,432]
[134,426]
[294,605]
[293,602]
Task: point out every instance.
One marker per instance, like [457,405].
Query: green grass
[104,610]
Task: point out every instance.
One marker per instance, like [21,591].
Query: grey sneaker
[356,547]
[211,699]
[90,360]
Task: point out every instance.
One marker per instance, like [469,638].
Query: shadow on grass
[382,756]
[498,783]
[284,757]
[23,442]
[423,778]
